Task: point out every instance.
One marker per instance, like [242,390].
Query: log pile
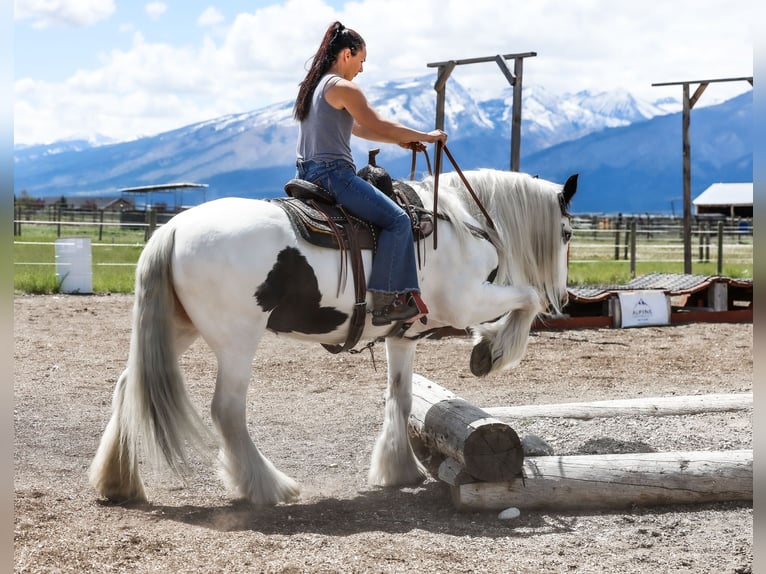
[480,456]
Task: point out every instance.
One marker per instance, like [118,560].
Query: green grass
[113,266]
[592,257]
[606,272]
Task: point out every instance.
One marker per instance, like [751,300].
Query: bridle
[416,147]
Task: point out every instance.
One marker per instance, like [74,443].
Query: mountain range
[628,152]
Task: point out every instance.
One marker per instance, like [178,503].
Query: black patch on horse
[291,293]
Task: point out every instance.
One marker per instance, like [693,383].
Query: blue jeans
[394,268]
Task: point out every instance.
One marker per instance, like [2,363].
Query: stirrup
[420,306]
[406,308]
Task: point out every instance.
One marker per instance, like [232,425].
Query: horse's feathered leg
[150,406]
[393,460]
[502,343]
[243,468]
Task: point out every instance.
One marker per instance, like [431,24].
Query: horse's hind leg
[243,467]
[393,461]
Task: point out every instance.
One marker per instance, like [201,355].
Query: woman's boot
[390,307]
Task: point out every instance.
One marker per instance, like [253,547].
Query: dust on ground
[316,415]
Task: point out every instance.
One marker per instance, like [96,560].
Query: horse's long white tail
[151,410]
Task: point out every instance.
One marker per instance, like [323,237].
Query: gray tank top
[325,134]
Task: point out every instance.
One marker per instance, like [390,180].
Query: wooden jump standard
[466,441]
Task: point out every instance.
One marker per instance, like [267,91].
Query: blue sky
[120,69]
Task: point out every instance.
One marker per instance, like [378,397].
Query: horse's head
[531,227]
[537,231]
[534,228]
[531,231]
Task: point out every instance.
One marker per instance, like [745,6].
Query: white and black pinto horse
[231,269]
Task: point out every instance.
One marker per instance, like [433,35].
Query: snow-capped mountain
[549,119]
[638,168]
[252,153]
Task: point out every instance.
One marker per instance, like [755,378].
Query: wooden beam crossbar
[481,60]
[717,80]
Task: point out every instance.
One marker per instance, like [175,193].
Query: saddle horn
[377,175]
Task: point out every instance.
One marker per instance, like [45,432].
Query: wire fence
[661,240]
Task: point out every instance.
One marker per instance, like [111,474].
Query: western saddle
[321,221]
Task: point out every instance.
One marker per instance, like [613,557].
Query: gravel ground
[316,416]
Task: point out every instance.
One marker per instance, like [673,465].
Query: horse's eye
[567,235]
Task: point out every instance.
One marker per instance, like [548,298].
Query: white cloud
[210,17]
[75,13]
[261,56]
[155,9]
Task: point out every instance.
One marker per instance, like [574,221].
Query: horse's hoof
[481,358]
[122,500]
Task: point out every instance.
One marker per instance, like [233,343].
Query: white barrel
[74,267]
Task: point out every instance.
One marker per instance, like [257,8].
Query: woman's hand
[415,146]
[431,137]
[437,136]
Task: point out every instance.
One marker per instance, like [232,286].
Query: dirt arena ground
[316,416]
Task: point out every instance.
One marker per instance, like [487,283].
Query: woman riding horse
[330,107]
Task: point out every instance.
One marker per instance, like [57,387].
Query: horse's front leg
[468,304]
[502,343]
[393,461]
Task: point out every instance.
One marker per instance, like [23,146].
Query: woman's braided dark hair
[336,38]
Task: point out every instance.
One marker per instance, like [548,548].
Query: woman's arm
[368,124]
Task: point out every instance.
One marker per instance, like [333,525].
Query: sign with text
[643,308]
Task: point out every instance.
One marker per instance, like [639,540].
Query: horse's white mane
[527,217]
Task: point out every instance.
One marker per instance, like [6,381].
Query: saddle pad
[312,219]
[313,225]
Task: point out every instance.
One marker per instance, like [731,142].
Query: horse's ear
[570,188]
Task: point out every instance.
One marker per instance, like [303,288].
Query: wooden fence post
[720,248]
[633,248]
[151,219]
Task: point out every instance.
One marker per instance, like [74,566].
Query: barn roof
[726,194]
[161,187]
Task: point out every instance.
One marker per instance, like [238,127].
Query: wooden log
[453,473]
[617,481]
[486,448]
[654,406]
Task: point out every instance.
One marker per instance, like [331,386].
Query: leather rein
[416,147]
